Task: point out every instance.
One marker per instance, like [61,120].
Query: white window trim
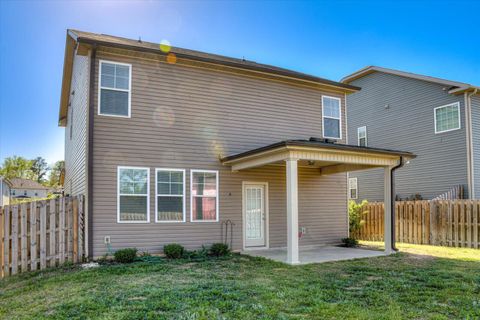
[191,195]
[349,189]
[118,194]
[340,118]
[183,171]
[115,89]
[358,135]
[457,104]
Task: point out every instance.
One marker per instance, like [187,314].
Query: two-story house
[437,119]
[168,144]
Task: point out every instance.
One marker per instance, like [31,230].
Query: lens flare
[165,46]
[171,58]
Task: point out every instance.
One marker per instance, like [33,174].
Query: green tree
[55,173]
[39,169]
[16,167]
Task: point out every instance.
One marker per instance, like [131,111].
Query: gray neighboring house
[168,145]
[437,119]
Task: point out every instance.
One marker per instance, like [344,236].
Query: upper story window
[204,195]
[133,194]
[362,136]
[115,86]
[353,188]
[331,114]
[447,118]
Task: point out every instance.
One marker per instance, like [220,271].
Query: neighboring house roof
[93,39]
[455,87]
[18,183]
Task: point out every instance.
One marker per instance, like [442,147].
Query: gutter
[392,196]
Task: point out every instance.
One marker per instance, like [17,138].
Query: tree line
[33,169]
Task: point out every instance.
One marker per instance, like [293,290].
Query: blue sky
[325,38]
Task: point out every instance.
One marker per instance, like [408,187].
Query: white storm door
[254,206]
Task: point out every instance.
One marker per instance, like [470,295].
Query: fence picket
[23,236]
[14,252]
[43,235]
[53,223]
[33,236]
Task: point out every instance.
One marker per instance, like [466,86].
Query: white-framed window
[331,117]
[353,188]
[362,136]
[133,202]
[203,195]
[114,92]
[170,195]
[447,118]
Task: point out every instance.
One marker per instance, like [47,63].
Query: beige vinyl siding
[76,146]
[188,118]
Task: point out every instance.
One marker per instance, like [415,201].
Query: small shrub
[350,242]
[173,251]
[356,214]
[219,249]
[127,255]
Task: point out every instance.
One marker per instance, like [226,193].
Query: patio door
[255,214]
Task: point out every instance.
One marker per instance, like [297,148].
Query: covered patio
[328,158]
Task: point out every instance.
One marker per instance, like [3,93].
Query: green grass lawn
[423,282]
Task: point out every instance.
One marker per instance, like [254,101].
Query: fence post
[81,227]
[61,231]
[6,241]
[75,229]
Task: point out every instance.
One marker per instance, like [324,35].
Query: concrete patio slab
[317,254]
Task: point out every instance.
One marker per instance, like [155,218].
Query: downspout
[470,151]
[392,188]
[91,116]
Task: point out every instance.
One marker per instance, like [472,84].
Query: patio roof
[329,157]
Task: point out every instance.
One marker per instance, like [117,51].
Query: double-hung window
[204,195]
[133,195]
[331,114]
[353,188]
[447,118]
[362,136]
[114,89]
[170,195]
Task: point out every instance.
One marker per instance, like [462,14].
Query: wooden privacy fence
[453,223]
[40,234]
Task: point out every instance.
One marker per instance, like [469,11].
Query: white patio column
[292,211]
[388,210]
